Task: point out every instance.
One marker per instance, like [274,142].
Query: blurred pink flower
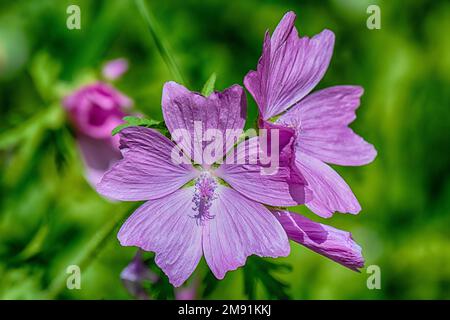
[95,110]
[136,273]
[187,293]
[115,68]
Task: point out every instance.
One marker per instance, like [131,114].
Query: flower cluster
[229,210]
[95,110]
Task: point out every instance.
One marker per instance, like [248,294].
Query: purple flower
[95,110]
[187,293]
[289,68]
[115,68]
[335,244]
[207,209]
[135,274]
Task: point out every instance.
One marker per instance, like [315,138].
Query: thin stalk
[93,248]
[160,43]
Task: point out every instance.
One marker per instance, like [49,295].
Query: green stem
[91,251]
[160,42]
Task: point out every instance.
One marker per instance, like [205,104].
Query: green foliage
[210,283]
[258,270]
[143,122]
[208,87]
[161,289]
[45,72]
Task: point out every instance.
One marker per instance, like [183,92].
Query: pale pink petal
[167,227]
[98,156]
[187,293]
[322,120]
[257,82]
[96,109]
[135,274]
[147,170]
[330,192]
[333,243]
[238,229]
[114,69]
[289,68]
[223,112]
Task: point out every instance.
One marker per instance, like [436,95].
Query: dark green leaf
[258,270]
[161,289]
[210,282]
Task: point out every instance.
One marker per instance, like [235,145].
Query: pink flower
[95,110]
[211,210]
[115,68]
[289,68]
[330,242]
[137,273]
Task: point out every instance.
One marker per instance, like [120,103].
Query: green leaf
[258,270]
[210,283]
[208,88]
[131,121]
[44,72]
[35,245]
[161,289]
[49,118]
[160,41]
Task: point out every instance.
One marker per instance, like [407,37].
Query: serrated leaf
[208,88]
[131,121]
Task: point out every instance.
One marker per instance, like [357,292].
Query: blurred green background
[50,217]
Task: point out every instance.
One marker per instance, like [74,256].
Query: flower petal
[322,120]
[96,109]
[135,274]
[166,227]
[222,112]
[147,170]
[240,228]
[289,68]
[277,183]
[332,243]
[330,192]
[98,156]
[114,69]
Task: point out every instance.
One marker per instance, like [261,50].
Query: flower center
[292,123]
[204,194]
